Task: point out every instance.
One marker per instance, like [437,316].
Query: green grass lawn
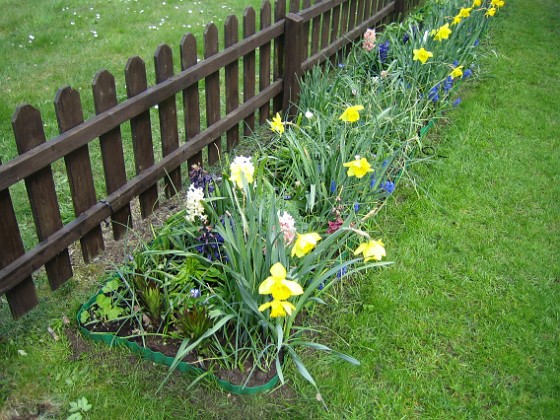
[465,324]
[48,44]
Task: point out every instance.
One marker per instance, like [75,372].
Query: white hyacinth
[194,206]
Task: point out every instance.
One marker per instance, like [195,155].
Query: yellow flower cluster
[281,290]
[421,55]
[358,167]
[351,114]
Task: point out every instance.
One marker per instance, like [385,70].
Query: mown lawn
[465,324]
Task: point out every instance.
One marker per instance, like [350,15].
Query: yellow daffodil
[305,243]
[358,167]
[278,308]
[456,20]
[276,124]
[442,33]
[465,12]
[241,169]
[490,12]
[476,3]
[278,286]
[457,72]
[422,55]
[351,114]
[371,250]
[497,3]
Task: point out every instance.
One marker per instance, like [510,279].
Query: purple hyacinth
[447,84]
[342,272]
[333,187]
[201,179]
[433,94]
[356,207]
[467,73]
[384,51]
[457,102]
[388,186]
[210,243]
[372,181]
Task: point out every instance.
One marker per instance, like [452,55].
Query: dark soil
[170,346]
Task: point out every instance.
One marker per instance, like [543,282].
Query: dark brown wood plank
[28,130]
[278,70]
[351,23]
[335,27]
[141,128]
[344,11]
[296,38]
[249,73]
[369,8]
[163,61]
[21,295]
[56,148]
[105,98]
[315,32]
[295,6]
[191,99]
[326,29]
[264,60]
[340,43]
[360,11]
[212,90]
[231,37]
[306,4]
[22,267]
[78,167]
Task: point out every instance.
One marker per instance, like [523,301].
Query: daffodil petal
[295,288]
[278,271]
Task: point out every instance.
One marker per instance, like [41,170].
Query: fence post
[293,58]
[400,9]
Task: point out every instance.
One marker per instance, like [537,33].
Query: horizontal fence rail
[290,40]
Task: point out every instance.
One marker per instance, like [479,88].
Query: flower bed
[231,279]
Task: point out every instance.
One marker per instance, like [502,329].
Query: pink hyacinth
[369,40]
[287,226]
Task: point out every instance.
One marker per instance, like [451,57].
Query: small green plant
[78,408]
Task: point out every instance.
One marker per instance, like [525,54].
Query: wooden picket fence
[289,41]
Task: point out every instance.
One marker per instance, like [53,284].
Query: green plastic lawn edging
[159,358]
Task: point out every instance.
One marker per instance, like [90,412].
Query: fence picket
[104,98]
[249,74]
[294,56]
[212,89]
[163,61]
[315,33]
[294,6]
[335,27]
[231,37]
[278,71]
[28,130]
[326,28]
[21,297]
[368,4]
[264,61]
[78,167]
[191,98]
[141,127]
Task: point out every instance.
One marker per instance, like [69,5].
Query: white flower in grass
[194,207]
